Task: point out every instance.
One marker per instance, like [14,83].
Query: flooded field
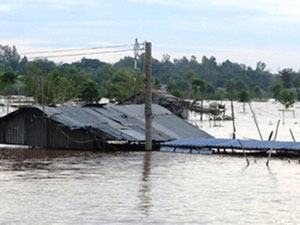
[147,188]
[267,113]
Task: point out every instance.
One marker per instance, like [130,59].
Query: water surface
[146,188]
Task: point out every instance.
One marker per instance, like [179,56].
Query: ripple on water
[160,188]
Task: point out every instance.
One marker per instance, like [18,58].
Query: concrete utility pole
[148,98]
[136,50]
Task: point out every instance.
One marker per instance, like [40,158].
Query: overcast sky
[244,31]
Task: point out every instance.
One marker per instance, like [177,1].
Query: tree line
[90,79]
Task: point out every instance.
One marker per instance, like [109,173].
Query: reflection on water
[146,188]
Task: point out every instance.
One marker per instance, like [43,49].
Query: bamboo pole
[255,121]
[270,136]
[292,134]
[244,151]
[233,119]
[275,137]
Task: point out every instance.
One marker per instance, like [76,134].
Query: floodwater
[147,188]
[267,114]
[44,187]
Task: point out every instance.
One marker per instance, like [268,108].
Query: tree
[261,66]
[276,89]
[190,76]
[231,88]
[287,98]
[166,58]
[176,75]
[199,89]
[244,97]
[256,92]
[7,80]
[123,84]
[51,84]
[177,94]
[90,91]
[57,89]
[286,77]
[10,58]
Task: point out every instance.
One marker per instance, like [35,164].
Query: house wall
[29,127]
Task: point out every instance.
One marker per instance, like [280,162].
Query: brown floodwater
[146,188]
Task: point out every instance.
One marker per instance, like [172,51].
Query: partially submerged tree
[287,98]
[244,97]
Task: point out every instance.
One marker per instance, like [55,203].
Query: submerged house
[91,128]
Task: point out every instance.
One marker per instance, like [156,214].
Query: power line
[82,54]
[75,49]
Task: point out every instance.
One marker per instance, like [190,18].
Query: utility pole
[136,50]
[148,98]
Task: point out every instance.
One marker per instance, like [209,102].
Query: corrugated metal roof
[231,143]
[124,122]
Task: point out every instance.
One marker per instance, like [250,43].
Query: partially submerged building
[179,106]
[91,128]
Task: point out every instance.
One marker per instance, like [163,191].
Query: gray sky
[243,31]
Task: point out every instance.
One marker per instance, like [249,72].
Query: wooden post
[233,119]
[255,121]
[201,114]
[271,150]
[244,151]
[148,98]
[270,136]
[283,122]
[292,134]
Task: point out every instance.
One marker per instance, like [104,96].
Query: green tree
[286,77]
[189,76]
[7,80]
[90,91]
[51,84]
[276,89]
[244,97]
[257,92]
[123,84]
[287,98]
[199,89]
[231,88]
